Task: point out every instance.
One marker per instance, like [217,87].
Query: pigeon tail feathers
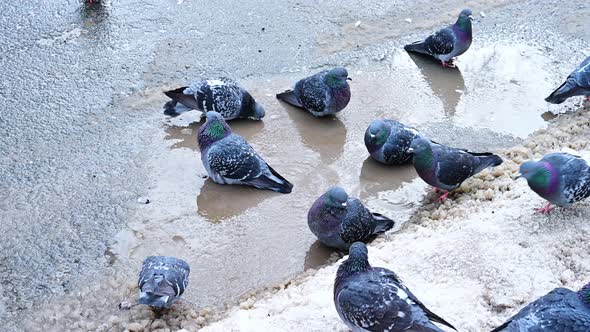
[274,182]
[382,223]
[488,161]
[562,93]
[417,47]
[178,95]
[289,98]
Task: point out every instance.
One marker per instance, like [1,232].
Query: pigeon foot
[443,197]
[546,209]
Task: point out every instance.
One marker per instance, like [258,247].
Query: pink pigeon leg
[443,197]
[587,98]
[546,209]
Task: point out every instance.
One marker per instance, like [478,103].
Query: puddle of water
[238,239]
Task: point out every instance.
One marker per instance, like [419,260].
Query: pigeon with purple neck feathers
[447,43]
[559,310]
[162,280]
[229,159]
[338,220]
[445,167]
[375,299]
[560,178]
[324,93]
[388,141]
[224,96]
[576,84]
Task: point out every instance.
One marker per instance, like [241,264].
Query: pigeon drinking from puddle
[224,96]
[162,280]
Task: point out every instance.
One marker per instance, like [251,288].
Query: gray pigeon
[229,159]
[388,141]
[324,93]
[447,43]
[224,96]
[559,310]
[338,220]
[162,280]
[446,168]
[375,299]
[560,178]
[577,84]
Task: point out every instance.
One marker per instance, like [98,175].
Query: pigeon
[324,93]
[229,159]
[338,220]
[375,299]
[162,280]
[446,168]
[224,96]
[447,43]
[560,178]
[388,141]
[559,310]
[577,84]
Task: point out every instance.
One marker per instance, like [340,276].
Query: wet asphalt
[81,127]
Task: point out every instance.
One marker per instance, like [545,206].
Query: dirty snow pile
[474,260]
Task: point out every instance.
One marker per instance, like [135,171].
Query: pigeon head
[214,129]
[584,294]
[252,109]
[422,152]
[336,197]
[464,20]
[358,261]
[337,77]
[258,111]
[537,174]
[376,135]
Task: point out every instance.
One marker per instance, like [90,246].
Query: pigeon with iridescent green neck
[223,95]
[324,93]
[388,141]
[229,159]
[374,299]
[445,167]
[576,84]
[162,280]
[560,178]
[559,310]
[447,43]
[338,220]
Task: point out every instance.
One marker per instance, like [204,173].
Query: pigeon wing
[374,306]
[311,92]
[453,166]
[235,159]
[440,42]
[356,224]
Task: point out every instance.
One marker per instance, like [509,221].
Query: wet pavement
[85,137]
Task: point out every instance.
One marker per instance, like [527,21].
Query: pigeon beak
[344,204]
[410,150]
[517,176]
[349,79]
[372,135]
